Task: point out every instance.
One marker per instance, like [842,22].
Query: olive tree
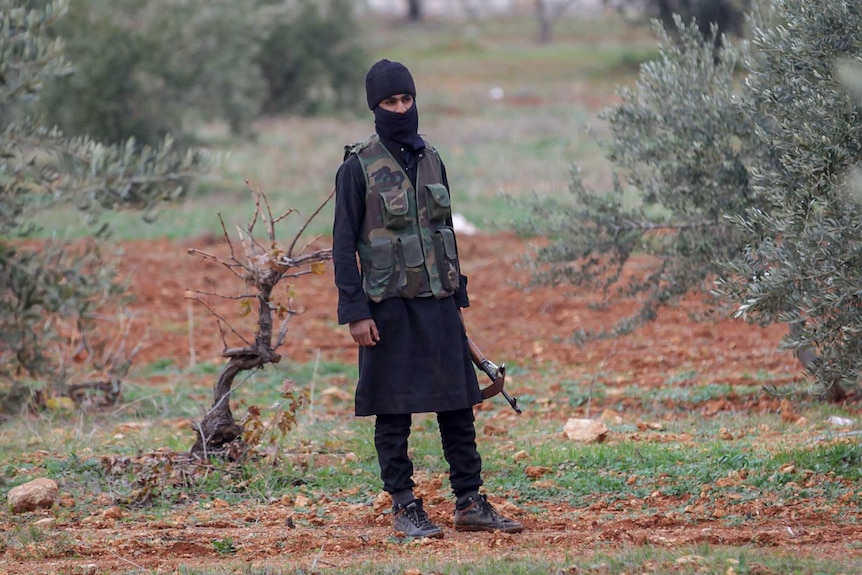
[732,168]
[144,69]
[46,284]
[681,149]
[802,262]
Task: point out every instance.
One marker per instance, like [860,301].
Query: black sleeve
[349,214]
[461,298]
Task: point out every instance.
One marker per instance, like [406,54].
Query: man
[403,304]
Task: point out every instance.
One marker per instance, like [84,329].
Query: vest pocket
[438,201]
[378,280]
[414,264]
[396,208]
[446,256]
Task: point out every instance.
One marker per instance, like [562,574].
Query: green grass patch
[841,459]
[695,465]
[699,560]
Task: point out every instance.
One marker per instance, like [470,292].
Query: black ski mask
[385,79]
[403,129]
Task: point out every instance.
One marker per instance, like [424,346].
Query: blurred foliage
[313,60]
[49,290]
[144,69]
[744,182]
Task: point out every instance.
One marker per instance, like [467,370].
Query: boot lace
[417,516]
[485,508]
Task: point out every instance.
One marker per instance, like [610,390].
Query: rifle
[496,374]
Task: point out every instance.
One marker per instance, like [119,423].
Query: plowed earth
[523,327]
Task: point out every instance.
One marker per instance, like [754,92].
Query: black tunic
[422,362]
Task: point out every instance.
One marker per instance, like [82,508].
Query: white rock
[462,226]
[45,522]
[40,493]
[585,430]
[836,421]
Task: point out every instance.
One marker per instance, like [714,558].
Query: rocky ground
[521,327]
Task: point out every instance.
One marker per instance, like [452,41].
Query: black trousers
[458,434]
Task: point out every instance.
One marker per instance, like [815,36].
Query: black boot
[479,515]
[411,520]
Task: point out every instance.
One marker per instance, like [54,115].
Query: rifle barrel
[513,401]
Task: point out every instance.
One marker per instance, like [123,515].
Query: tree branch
[207,256]
[220,317]
[307,222]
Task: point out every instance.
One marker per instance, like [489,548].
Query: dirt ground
[521,327]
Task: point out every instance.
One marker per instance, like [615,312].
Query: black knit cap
[387,78]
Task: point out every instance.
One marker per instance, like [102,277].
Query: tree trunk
[414,10]
[544,20]
[546,14]
[835,393]
[807,357]
[218,430]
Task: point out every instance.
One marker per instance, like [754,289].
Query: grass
[701,465]
[690,468]
[701,560]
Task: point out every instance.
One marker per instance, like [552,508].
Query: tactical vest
[406,247]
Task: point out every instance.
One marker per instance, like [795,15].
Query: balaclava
[384,79]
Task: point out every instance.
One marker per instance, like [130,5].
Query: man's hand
[364,332]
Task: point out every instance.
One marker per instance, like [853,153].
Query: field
[701,471]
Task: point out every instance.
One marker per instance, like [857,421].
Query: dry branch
[105,356]
[261,270]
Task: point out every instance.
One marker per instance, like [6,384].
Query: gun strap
[496,383]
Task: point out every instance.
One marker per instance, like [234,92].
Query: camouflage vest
[406,249]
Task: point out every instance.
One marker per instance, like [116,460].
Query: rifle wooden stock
[496,374]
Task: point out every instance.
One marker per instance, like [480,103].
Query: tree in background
[116,91]
[681,148]
[415,10]
[547,12]
[744,183]
[727,15]
[144,69]
[311,60]
[50,287]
